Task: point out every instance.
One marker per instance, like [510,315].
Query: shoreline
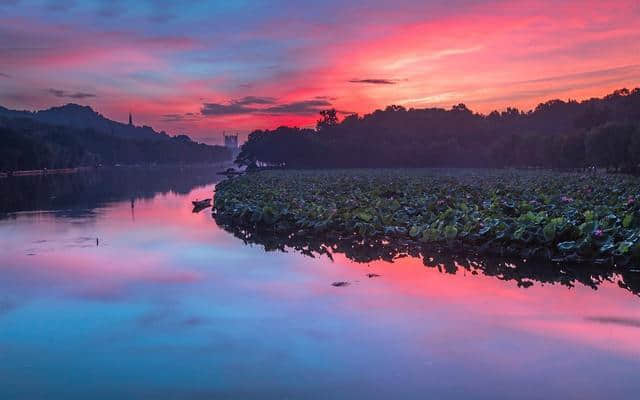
[59,171]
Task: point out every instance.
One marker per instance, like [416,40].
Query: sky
[203,67]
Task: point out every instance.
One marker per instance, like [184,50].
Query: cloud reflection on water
[170,300]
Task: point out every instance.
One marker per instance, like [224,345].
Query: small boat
[202,203]
[197,209]
[230,172]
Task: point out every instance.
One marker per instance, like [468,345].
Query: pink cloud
[489,55]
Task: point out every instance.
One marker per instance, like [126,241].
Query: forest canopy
[602,132]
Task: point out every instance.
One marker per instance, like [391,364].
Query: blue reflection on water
[167,306]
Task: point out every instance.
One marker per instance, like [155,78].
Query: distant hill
[84,117]
[74,135]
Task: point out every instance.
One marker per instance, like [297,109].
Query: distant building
[230,141]
[130,119]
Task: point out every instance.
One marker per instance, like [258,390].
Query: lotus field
[564,217]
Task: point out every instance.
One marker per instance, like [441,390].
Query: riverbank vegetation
[602,132]
[567,217]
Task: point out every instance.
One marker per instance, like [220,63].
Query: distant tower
[230,141]
[130,119]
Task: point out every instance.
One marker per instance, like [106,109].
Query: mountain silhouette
[73,135]
[84,117]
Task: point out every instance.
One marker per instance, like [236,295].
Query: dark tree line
[603,132]
[28,144]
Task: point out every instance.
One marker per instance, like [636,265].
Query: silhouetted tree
[328,119]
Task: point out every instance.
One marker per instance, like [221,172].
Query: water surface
[167,305]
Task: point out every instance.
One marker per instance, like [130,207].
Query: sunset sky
[202,67]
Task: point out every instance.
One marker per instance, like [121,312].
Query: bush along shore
[558,217]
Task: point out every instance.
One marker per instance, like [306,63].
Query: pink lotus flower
[598,233]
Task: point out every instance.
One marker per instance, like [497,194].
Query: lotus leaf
[539,213]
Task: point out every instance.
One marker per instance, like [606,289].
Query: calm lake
[112,288]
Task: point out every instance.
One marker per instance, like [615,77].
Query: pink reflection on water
[485,303]
[93,273]
[160,244]
[100,256]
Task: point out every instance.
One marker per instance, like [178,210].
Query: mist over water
[111,287]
